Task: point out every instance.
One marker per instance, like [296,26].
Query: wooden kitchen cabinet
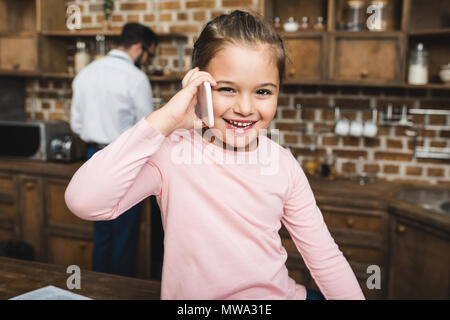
[419,261]
[32,215]
[361,58]
[304,57]
[33,210]
[361,235]
[18,36]
[355,58]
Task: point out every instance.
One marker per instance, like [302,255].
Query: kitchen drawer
[70,251]
[18,53]
[304,58]
[336,219]
[361,254]
[365,59]
[351,252]
[57,210]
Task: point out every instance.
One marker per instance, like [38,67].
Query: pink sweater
[221,220]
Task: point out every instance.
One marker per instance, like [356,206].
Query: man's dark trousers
[115,241]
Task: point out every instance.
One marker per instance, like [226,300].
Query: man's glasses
[151,54]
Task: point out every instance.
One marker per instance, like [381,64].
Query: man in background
[111,95]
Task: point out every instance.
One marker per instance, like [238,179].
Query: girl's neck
[248,148]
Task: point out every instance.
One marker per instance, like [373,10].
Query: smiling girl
[221,220]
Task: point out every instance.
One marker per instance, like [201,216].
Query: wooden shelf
[22,34]
[108,33]
[435,86]
[431,32]
[19,73]
[302,34]
[367,34]
[69,76]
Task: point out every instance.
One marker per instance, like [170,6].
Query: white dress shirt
[110,95]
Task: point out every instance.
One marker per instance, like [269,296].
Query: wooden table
[19,276]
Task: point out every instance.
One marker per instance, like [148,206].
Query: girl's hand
[179,112]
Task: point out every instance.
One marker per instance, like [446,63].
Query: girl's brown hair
[238,27]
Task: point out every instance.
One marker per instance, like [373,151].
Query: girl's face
[245,97]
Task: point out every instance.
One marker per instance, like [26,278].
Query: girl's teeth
[241,124]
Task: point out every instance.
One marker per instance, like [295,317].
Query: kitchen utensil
[291,25]
[356,128]
[342,127]
[444,74]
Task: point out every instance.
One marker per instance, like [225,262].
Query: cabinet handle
[291,72]
[364,73]
[401,228]
[29,186]
[350,222]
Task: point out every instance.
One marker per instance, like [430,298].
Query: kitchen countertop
[19,276]
[377,195]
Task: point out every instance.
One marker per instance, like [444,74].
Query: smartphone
[204,109]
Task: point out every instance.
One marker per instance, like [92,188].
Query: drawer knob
[291,72]
[364,73]
[401,228]
[350,222]
[29,186]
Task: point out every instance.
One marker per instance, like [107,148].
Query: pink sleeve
[118,176]
[325,261]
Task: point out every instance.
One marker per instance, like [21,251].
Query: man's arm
[142,99]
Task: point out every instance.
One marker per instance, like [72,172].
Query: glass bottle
[82,57]
[418,65]
[277,24]
[355,15]
[319,24]
[100,47]
[305,23]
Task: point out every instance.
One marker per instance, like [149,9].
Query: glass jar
[82,57]
[277,24]
[319,25]
[418,65]
[100,47]
[381,15]
[305,23]
[355,15]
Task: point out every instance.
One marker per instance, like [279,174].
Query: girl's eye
[226,89]
[264,92]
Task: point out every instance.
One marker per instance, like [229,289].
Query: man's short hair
[133,33]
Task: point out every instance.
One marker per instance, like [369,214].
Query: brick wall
[305,117]
[389,155]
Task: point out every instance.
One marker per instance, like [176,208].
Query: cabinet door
[376,60]
[18,53]
[304,59]
[419,262]
[9,218]
[70,251]
[32,215]
[56,208]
